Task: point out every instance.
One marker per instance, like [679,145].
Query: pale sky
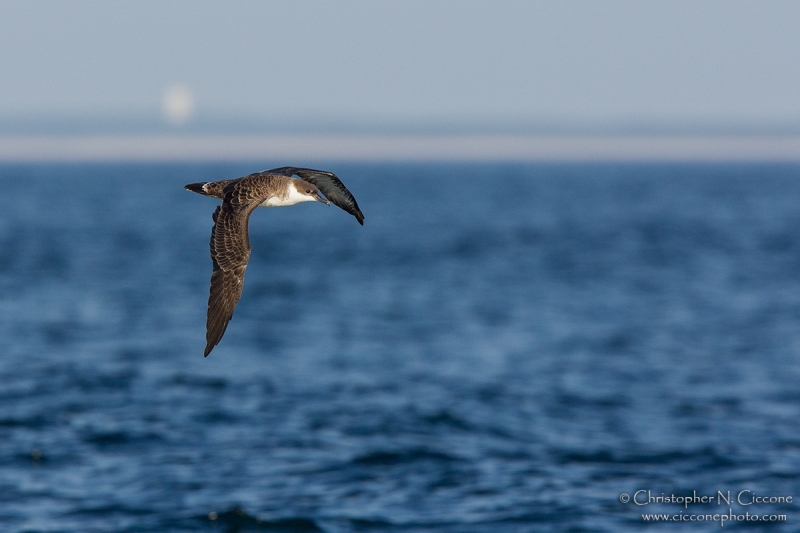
[577,63]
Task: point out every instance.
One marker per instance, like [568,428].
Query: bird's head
[303,191]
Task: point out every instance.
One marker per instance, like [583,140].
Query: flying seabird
[230,245]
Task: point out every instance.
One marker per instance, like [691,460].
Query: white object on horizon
[177,103]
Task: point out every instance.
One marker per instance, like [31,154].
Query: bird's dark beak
[318,197]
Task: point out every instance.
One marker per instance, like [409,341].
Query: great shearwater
[230,245]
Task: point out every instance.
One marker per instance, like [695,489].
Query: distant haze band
[399,148]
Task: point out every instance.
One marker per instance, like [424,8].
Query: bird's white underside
[294,197]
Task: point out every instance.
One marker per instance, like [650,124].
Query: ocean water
[501,348]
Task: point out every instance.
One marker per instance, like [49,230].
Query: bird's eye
[308,191]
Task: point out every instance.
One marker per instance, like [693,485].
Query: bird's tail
[197,187]
[214,189]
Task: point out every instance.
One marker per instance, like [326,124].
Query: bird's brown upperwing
[230,251]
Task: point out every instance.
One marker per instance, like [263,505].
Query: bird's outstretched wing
[230,251]
[328,184]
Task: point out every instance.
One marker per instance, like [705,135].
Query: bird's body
[230,244]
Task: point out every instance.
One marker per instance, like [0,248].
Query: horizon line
[401,147]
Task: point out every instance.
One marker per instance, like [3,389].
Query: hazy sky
[409,61]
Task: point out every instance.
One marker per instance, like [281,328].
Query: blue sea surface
[501,348]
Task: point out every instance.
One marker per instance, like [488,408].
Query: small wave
[446,418]
[237,519]
[600,402]
[390,458]
[117,438]
[475,243]
[111,509]
[217,416]
[88,381]
[706,457]
[200,382]
[30,422]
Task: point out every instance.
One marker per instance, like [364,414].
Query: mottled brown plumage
[230,244]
